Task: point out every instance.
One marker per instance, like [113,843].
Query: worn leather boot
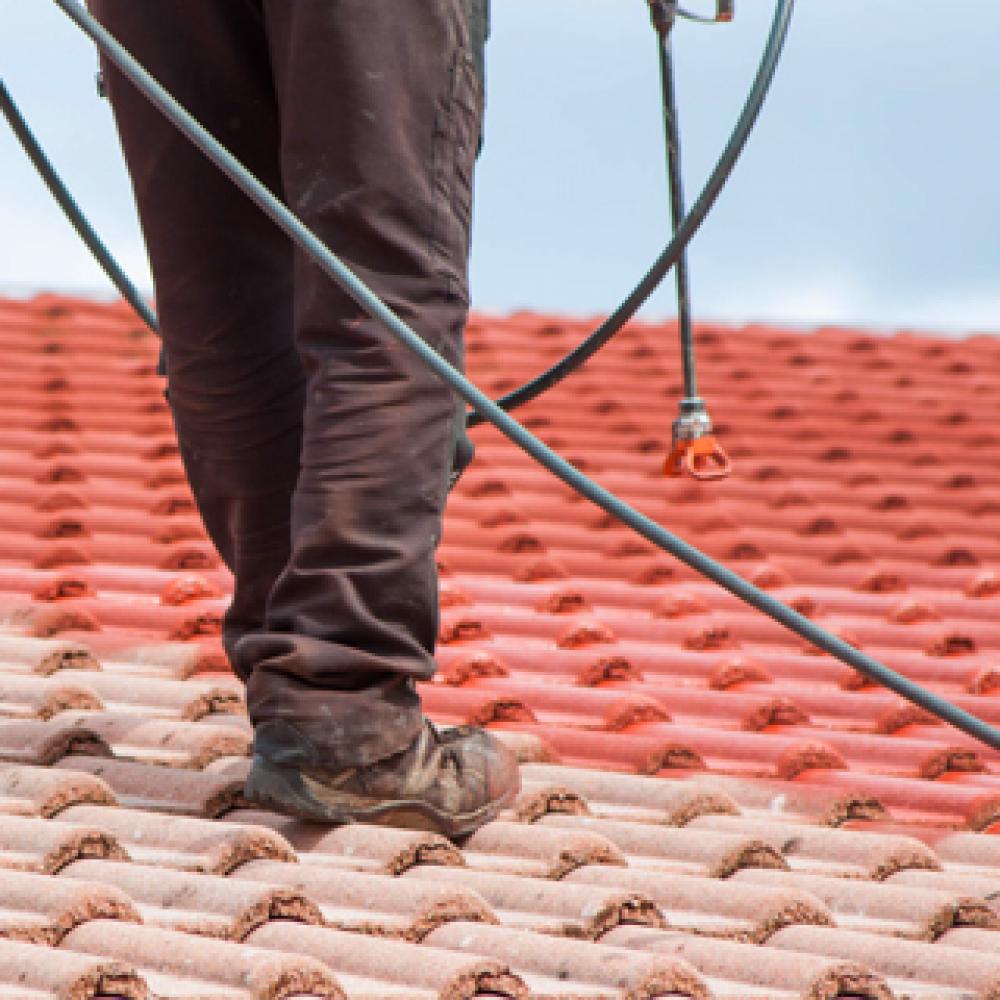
[449,782]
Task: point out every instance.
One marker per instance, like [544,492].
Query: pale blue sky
[868,195]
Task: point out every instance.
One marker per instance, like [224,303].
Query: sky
[867,196]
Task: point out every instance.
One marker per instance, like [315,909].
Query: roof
[710,809]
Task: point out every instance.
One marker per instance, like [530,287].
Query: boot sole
[282,790]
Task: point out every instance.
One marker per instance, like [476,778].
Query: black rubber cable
[331,264]
[72,211]
[685,232]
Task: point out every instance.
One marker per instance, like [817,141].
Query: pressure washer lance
[695,449]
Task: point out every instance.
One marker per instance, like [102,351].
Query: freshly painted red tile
[919,800]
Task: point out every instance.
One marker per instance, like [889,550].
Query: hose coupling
[663,14]
[695,449]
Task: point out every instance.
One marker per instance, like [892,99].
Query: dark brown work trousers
[318,449]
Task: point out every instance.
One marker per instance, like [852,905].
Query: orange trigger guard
[703,458]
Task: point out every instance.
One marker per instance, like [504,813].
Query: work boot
[450,782]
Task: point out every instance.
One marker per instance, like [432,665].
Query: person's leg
[223,275]
[380,109]
[352,618]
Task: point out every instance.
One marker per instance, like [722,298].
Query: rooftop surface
[710,809]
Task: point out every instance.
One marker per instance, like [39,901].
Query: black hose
[72,211]
[684,234]
[331,265]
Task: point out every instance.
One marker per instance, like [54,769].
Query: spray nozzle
[695,450]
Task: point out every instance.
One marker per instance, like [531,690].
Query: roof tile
[823,850]
[32,972]
[22,654]
[536,850]
[39,909]
[443,974]
[371,903]
[187,844]
[157,788]
[794,802]
[196,902]
[40,791]
[161,741]
[905,961]
[712,907]
[357,846]
[806,975]
[544,963]
[550,907]
[47,741]
[188,701]
[689,851]
[38,845]
[43,697]
[189,967]
[921,913]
